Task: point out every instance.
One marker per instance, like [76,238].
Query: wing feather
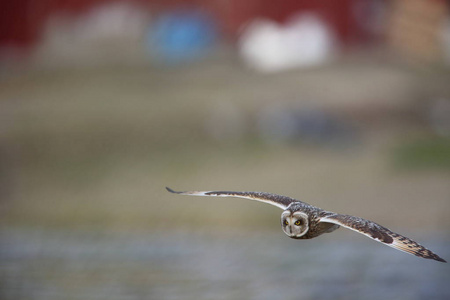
[381,234]
[276,200]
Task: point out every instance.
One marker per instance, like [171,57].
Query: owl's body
[301,220]
[313,215]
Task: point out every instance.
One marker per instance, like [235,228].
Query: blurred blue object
[182,35]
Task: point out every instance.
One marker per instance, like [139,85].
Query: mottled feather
[318,216]
[273,199]
[381,234]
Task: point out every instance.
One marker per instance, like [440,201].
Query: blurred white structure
[109,32]
[306,40]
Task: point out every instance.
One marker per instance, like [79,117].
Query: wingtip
[170,190]
[440,259]
[434,256]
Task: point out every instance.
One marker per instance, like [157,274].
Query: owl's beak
[289,231]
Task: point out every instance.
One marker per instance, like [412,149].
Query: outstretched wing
[381,234]
[276,200]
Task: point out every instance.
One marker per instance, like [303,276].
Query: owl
[300,220]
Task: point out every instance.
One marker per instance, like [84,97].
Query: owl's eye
[298,223]
[286,222]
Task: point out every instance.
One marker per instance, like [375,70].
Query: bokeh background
[342,104]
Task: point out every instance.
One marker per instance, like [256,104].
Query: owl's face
[294,224]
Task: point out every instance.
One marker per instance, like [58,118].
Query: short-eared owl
[300,220]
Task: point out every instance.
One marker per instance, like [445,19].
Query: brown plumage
[301,220]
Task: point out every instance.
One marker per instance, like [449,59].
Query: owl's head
[294,224]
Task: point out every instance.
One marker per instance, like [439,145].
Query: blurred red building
[22,21]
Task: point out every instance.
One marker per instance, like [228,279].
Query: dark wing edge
[276,200]
[381,234]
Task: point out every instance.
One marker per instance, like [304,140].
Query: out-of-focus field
[85,156]
[97,147]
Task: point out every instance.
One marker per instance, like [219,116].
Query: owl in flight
[300,220]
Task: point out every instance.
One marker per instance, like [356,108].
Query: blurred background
[342,104]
